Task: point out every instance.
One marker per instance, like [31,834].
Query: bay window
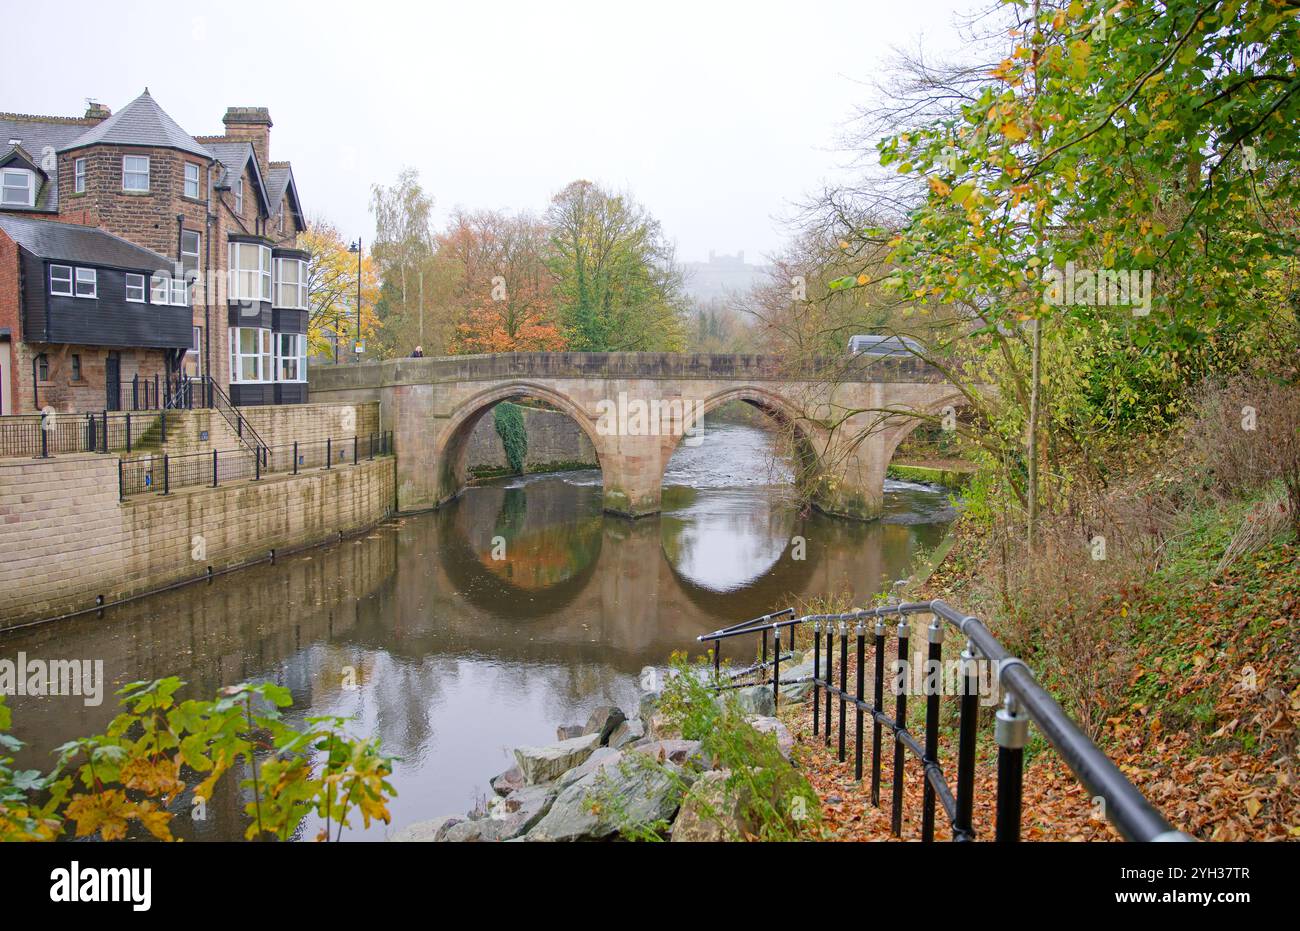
[250,272]
[250,355]
[291,283]
[291,357]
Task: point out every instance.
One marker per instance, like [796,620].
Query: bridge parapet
[653,365]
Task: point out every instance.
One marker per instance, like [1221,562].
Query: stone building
[132,253]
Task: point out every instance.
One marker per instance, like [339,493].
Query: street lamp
[356,247]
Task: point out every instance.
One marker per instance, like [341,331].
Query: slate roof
[39,134]
[233,157]
[84,244]
[141,122]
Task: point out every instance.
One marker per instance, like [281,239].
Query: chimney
[251,124]
[97,111]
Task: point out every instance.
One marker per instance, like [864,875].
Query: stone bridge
[847,417]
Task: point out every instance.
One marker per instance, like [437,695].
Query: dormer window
[135,172]
[18,187]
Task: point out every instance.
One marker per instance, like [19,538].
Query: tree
[403,248]
[616,282]
[505,287]
[332,290]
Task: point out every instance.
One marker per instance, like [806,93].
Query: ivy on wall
[509,421]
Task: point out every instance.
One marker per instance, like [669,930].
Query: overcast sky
[716,116]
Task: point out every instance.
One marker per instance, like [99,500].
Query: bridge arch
[894,437]
[452,444]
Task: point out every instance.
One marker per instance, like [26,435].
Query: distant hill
[721,275]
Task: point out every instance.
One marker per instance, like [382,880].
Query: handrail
[240,423]
[1025,700]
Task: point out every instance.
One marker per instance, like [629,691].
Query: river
[459,656]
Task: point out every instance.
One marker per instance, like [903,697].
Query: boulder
[797,692]
[569,731]
[543,764]
[628,732]
[671,751]
[425,831]
[601,757]
[507,782]
[756,699]
[646,709]
[603,720]
[659,727]
[768,725]
[507,817]
[644,793]
[709,813]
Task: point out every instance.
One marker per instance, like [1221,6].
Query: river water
[459,656]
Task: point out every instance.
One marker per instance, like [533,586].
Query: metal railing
[161,474]
[105,432]
[1025,700]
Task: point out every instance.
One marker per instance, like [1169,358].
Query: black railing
[1025,700]
[161,474]
[145,393]
[105,432]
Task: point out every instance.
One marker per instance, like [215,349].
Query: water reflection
[459,655]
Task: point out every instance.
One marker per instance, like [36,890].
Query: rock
[594,762]
[425,831]
[645,794]
[766,725]
[507,782]
[569,731]
[671,751]
[507,817]
[542,764]
[603,720]
[797,692]
[646,710]
[628,732]
[710,814]
[757,699]
[659,728]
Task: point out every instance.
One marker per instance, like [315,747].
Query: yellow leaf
[1013,131]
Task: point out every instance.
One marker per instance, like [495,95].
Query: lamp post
[356,349]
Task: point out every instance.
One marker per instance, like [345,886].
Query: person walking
[419,353]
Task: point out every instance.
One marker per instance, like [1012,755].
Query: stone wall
[554,441]
[66,539]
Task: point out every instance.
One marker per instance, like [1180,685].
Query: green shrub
[509,420]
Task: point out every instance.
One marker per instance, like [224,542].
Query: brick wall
[305,423]
[65,538]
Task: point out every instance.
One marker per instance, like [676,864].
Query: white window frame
[28,188]
[196,342]
[197,180]
[65,282]
[239,196]
[159,287]
[135,282]
[92,277]
[280,216]
[198,250]
[261,354]
[298,355]
[298,289]
[79,176]
[248,283]
[135,172]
